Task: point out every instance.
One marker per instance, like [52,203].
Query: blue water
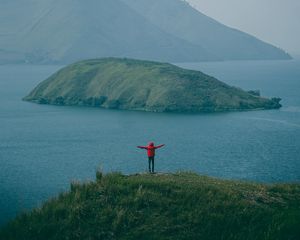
[43,148]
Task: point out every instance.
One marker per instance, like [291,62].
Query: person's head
[151,144]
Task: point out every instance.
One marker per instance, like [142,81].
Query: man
[151,154]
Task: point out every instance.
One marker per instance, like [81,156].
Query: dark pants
[151,163]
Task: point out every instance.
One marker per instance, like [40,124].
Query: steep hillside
[66,31]
[164,206]
[181,20]
[143,85]
[54,31]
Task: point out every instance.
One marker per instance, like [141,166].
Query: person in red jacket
[151,154]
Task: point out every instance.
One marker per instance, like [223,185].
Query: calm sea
[43,148]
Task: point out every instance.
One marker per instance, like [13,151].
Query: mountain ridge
[189,23]
[66,31]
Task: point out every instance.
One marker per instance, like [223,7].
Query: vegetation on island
[144,85]
[164,206]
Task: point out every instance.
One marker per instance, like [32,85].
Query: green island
[177,206]
[144,85]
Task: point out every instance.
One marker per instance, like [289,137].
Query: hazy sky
[274,21]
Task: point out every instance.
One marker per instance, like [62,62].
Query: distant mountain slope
[69,30]
[143,85]
[181,20]
[55,31]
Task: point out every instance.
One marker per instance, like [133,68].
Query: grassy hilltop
[164,206]
[143,85]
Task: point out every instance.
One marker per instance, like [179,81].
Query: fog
[274,21]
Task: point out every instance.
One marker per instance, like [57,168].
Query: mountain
[178,18]
[163,206]
[69,30]
[53,31]
[143,85]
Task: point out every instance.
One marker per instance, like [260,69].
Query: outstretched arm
[142,147]
[159,146]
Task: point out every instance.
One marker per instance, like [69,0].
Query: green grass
[164,206]
[143,85]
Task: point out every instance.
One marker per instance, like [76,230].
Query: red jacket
[151,149]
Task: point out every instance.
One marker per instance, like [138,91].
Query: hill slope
[143,85]
[66,31]
[53,31]
[181,20]
[164,206]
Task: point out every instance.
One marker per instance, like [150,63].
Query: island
[129,84]
[163,206]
